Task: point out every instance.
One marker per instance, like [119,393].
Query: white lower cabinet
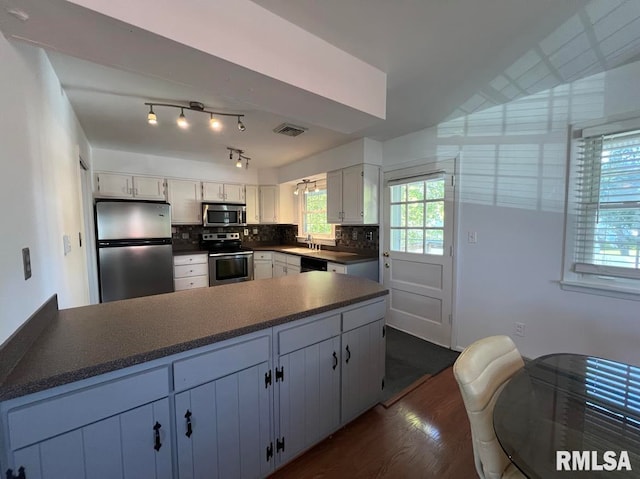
[235,409]
[262,265]
[307,379]
[363,358]
[223,410]
[223,427]
[285,264]
[78,435]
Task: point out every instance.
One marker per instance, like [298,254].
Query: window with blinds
[607,206]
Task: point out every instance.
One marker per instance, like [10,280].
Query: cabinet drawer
[212,365]
[280,258]
[305,335]
[293,260]
[258,255]
[363,315]
[184,271]
[190,259]
[191,282]
[337,268]
[51,417]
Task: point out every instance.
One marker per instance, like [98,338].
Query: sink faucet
[309,240]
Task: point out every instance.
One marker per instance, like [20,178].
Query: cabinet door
[234,193]
[223,427]
[212,191]
[253,205]
[147,188]
[352,212]
[292,269]
[308,397]
[121,446]
[269,204]
[184,197]
[112,185]
[362,368]
[262,269]
[334,196]
[279,269]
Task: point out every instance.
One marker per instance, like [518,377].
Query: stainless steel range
[229,262]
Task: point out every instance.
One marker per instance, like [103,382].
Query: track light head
[315,187]
[214,123]
[182,120]
[296,191]
[241,126]
[152,119]
[239,162]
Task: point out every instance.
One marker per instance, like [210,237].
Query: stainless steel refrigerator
[134,248]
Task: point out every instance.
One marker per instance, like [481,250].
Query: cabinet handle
[348,355]
[156,434]
[189,429]
[335,360]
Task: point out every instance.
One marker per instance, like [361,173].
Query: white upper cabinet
[253,204]
[269,204]
[111,185]
[222,192]
[352,195]
[185,199]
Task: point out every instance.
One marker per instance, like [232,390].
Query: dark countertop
[91,340]
[342,257]
[181,252]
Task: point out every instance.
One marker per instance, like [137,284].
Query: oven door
[227,268]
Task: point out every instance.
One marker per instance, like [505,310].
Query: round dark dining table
[571,403]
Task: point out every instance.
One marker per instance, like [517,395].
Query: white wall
[40,140]
[164,166]
[511,187]
[363,150]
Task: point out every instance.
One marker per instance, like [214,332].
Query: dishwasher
[312,264]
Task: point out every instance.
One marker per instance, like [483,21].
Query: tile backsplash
[362,238]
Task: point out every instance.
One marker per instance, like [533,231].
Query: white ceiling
[442,60]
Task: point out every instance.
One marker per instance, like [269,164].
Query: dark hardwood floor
[423,435]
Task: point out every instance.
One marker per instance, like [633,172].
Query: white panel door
[418,250]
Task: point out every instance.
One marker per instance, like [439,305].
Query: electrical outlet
[255,231]
[519,329]
[246,231]
[354,235]
[369,235]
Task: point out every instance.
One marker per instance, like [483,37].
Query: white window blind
[607,230]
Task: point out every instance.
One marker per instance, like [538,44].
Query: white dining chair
[482,370]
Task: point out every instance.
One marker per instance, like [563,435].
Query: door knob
[385,254]
[386,265]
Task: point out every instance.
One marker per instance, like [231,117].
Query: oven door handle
[240,253]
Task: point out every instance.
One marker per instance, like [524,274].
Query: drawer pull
[156,433]
[189,428]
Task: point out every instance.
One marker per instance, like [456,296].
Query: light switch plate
[26,263]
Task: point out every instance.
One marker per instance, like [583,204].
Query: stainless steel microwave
[223,214]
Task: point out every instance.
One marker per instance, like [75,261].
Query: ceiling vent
[289,130]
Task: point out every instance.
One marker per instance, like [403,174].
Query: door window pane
[417,216]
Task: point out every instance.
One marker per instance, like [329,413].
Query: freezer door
[132,220]
[133,271]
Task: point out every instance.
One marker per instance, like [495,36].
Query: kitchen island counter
[91,340]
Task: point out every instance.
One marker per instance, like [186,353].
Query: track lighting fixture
[214,122]
[304,186]
[241,157]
